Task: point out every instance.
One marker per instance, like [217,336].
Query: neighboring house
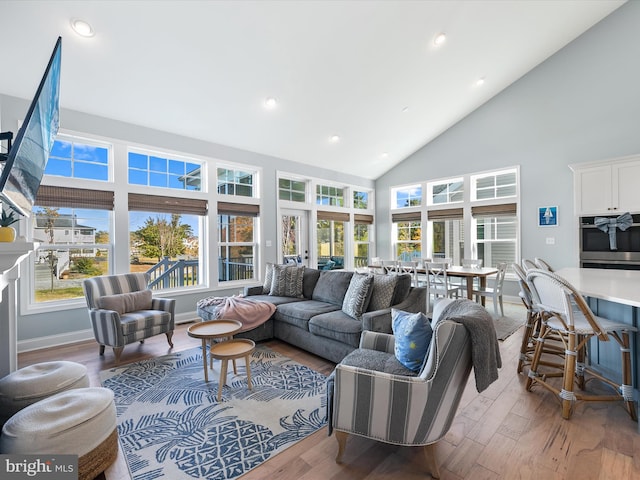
[66,231]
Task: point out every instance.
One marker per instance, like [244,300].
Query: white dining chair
[390,266]
[410,268]
[422,272]
[470,263]
[439,282]
[494,292]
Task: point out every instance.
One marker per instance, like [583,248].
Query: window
[447,234]
[159,171]
[75,159]
[480,224]
[236,246]
[292,190]
[361,200]
[451,191]
[330,235]
[235,182]
[406,196]
[496,233]
[329,195]
[362,240]
[338,210]
[495,185]
[73,227]
[408,240]
[330,239]
[164,239]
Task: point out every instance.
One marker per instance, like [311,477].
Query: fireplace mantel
[10,256]
[12,252]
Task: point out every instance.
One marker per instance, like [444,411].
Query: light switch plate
[551,240]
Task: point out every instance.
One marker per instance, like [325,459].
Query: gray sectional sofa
[316,320]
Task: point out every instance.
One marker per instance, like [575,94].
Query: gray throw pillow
[287,281]
[268,279]
[357,296]
[126,302]
[382,291]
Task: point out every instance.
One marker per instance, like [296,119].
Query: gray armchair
[122,311]
[422,407]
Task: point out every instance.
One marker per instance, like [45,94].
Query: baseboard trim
[80,336]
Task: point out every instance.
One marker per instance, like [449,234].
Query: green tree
[49,216]
[102,236]
[162,237]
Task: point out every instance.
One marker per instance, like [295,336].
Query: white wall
[582,104]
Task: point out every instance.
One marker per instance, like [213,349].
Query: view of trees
[160,237]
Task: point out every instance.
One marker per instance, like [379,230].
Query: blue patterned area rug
[170,423]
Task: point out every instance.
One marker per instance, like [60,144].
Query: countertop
[620,286]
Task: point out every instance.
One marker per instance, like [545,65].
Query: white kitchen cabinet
[607,188]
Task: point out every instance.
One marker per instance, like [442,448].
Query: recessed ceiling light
[334,138]
[440,39]
[384,155]
[270,102]
[480,82]
[82,28]
[405,109]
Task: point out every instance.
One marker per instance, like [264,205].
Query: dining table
[469,274]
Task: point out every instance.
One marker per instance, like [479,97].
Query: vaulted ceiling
[358,85]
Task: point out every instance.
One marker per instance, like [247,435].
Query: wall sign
[547,216]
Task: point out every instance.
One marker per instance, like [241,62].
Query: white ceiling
[367,71]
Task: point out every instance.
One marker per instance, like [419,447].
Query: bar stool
[566,314]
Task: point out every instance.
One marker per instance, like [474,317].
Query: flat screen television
[23,168]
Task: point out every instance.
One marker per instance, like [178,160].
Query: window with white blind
[73,229]
[468,216]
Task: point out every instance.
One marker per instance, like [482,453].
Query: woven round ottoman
[36,382]
[79,422]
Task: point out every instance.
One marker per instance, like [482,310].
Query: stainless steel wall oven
[595,248]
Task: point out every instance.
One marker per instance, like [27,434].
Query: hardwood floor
[503,433]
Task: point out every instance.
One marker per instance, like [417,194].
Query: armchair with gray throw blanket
[373,394]
[122,310]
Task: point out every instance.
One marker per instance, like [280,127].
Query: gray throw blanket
[485,350]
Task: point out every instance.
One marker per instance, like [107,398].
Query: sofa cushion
[287,281]
[275,299]
[382,292]
[403,287]
[357,297]
[126,302]
[378,361]
[332,287]
[309,281]
[299,313]
[337,326]
[412,332]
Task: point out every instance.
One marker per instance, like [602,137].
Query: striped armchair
[122,311]
[398,409]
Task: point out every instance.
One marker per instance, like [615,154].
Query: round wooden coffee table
[211,330]
[231,350]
